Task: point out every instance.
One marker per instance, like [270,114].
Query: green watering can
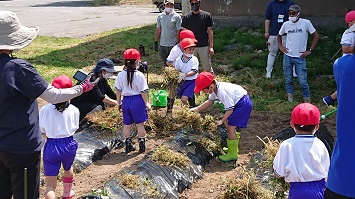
[160,98]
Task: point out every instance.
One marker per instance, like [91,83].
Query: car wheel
[161,7]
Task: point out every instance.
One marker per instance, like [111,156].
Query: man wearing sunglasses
[200,23]
[296,51]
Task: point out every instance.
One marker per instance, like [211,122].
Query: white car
[160,4]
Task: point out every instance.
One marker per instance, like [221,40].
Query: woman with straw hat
[20,86]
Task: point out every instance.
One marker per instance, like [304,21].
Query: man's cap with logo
[168,1]
[294,7]
[187,42]
[105,64]
[203,80]
[305,114]
[62,81]
[131,53]
[187,34]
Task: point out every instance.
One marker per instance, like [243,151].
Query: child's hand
[219,122]
[195,109]
[148,106]
[182,76]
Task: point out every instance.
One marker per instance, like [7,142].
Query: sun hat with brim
[62,81]
[14,36]
[131,53]
[187,34]
[105,64]
[305,114]
[203,80]
[168,1]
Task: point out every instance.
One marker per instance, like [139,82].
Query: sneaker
[141,142]
[328,101]
[268,75]
[129,146]
[290,97]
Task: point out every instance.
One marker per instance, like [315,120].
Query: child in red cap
[187,64]
[133,87]
[237,104]
[59,122]
[303,160]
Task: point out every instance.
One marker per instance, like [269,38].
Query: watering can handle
[322,117]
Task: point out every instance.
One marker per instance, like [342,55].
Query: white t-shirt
[297,36]
[56,124]
[229,94]
[348,39]
[139,84]
[302,158]
[186,66]
[175,52]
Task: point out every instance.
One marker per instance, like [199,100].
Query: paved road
[66,18]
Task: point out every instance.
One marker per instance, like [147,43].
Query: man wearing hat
[168,29]
[303,149]
[101,94]
[20,86]
[296,50]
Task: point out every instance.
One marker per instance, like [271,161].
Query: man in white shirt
[295,51]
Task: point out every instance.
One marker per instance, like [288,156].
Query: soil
[213,183]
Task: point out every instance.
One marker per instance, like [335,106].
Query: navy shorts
[241,112]
[58,151]
[134,110]
[186,89]
[314,189]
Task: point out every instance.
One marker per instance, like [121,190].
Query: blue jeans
[301,71]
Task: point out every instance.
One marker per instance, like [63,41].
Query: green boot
[232,151]
[225,149]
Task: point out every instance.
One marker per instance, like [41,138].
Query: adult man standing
[341,176]
[200,23]
[168,29]
[296,51]
[275,16]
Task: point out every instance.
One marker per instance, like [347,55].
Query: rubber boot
[129,146]
[232,153]
[192,102]
[290,97]
[225,149]
[67,188]
[141,142]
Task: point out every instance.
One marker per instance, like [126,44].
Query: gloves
[182,76]
[219,122]
[148,106]
[156,46]
[87,85]
[195,109]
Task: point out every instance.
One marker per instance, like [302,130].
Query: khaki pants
[202,53]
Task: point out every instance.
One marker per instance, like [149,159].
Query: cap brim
[197,89]
[110,70]
[19,39]
[351,29]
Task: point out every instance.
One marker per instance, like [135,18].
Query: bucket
[160,98]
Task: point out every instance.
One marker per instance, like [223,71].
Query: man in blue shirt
[341,176]
[275,16]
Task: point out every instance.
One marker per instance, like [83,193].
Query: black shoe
[129,146]
[141,142]
[192,102]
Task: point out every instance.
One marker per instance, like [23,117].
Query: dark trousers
[12,175]
[164,52]
[328,194]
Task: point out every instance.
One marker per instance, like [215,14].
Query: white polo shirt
[229,94]
[175,52]
[186,66]
[302,158]
[139,84]
[56,124]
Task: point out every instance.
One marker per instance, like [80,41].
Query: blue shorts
[134,110]
[241,112]
[58,151]
[186,89]
[314,190]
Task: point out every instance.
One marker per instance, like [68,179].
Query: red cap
[187,34]
[187,42]
[305,114]
[62,81]
[350,16]
[131,54]
[203,80]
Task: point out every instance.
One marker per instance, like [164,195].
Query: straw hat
[14,36]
